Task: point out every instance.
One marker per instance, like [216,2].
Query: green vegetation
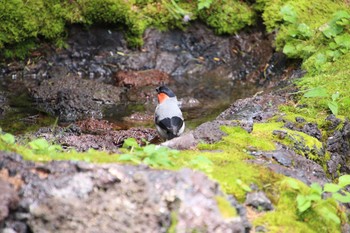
[316,32]
[152,155]
[23,22]
[226,161]
[226,210]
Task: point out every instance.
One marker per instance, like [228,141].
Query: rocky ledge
[81,197]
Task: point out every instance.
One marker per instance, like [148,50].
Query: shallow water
[212,93]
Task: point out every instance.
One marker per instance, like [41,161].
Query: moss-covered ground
[229,165]
[317,32]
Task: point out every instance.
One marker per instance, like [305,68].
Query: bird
[168,116]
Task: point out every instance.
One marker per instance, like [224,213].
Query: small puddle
[212,94]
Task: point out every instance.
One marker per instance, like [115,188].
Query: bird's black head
[165,90]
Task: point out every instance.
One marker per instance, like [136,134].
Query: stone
[259,201]
[81,197]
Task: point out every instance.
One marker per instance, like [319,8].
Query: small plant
[243,185]
[204,4]
[333,103]
[42,146]
[152,155]
[7,138]
[315,198]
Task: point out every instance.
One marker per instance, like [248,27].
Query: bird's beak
[157,89]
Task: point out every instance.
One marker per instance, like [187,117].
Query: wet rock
[260,229]
[300,120]
[74,98]
[281,134]
[333,122]
[259,201]
[3,103]
[257,108]
[94,126]
[184,142]
[282,157]
[109,140]
[293,165]
[189,102]
[141,78]
[145,95]
[307,128]
[139,117]
[116,198]
[8,199]
[210,132]
[338,144]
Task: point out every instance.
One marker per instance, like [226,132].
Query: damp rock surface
[115,198]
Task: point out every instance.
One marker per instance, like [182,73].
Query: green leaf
[333,106]
[309,49]
[289,49]
[332,188]
[244,186]
[320,60]
[204,4]
[8,138]
[53,148]
[303,203]
[342,198]
[329,215]
[314,197]
[129,157]
[343,40]
[304,30]
[288,14]
[150,149]
[341,15]
[335,96]
[331,30]
[316,187]
[316,92]
[130,142]
[344,180]
[39,144]
[292,183]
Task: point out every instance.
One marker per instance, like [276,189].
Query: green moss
[226,210]
[228,16]
[23,22]
[334,79]
[310,221]
[230,165]
[174,220]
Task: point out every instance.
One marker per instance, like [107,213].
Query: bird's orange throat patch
[162,97]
